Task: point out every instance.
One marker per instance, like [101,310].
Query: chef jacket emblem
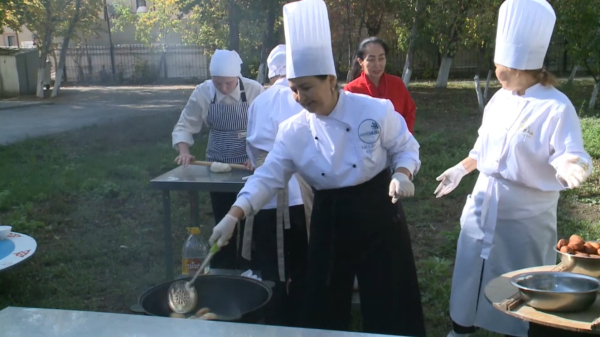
[369,131]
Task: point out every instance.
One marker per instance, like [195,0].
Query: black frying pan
[233,298]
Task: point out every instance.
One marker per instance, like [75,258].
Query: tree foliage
[579,23]
[163,18]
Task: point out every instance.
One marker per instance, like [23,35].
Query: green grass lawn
[85,197]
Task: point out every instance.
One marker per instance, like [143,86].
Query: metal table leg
[166,197]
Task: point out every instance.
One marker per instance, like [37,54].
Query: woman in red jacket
[369,78]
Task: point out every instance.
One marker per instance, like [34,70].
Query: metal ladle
[182,294]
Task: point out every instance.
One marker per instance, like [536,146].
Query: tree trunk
[594,95]
[45,50]
[414,34]
[267,45]
[479,94]
[65,46]
[406,77]
[444,73]
[573,72]
[487,85]
[234,26]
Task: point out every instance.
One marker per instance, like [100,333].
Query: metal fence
[136,64]
[139,64]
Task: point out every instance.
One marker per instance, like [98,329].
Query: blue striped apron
[227,137]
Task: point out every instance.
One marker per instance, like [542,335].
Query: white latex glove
[245,178]
[450,179]
[401,187]
[223,231]
[573,171]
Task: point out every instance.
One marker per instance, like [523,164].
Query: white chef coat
[346,148]
[509,221]
[268,110]
[196,110]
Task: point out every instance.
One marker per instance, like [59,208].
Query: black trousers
[230,256]
[286,304]
[357,231]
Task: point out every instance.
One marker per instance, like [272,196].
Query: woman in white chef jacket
[529,148]
[222,104]
[279,231]
[340,144]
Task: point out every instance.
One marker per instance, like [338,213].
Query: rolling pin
[208,163]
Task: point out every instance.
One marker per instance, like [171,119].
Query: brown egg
[561,243]
[595,244]
[576,239]
[578,247]
[566,249]
[589,249]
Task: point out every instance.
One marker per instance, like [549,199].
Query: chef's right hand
[450,180]
[184,159]
[223,231]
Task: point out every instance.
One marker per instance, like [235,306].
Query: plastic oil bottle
[195,250]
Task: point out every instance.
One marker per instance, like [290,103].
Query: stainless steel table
[19,322]
[192,179]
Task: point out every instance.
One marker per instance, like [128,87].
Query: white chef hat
[276,61]
[225,63]
[308,39]
[524,32]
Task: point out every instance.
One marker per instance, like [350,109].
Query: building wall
[24,37]
[9,76]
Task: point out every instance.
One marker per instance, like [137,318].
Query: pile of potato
[577,246]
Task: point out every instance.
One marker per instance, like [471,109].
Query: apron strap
[242,91]
[247,240]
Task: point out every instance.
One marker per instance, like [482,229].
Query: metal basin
[580,264]
[557,291]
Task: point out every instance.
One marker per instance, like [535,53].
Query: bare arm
[470,164]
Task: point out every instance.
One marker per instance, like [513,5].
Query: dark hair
[324,77]
[360,54]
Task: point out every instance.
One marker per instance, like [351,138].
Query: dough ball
[217,167]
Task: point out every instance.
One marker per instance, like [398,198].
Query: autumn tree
[409,25]
[578,21]
[445,25]
[161,19]
[480,34]
[50,19]
[11,14]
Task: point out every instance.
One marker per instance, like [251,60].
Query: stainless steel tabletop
[23,322]
[200,178]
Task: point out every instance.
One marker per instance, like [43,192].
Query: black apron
[357,231]
[227,144]
[285,307]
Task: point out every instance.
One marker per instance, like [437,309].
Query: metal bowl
[557,291]
[580,264]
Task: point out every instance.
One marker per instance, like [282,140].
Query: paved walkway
[78,107]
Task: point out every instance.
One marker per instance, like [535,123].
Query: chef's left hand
[401,187]
[574,171]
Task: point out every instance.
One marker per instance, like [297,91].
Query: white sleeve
[262,131]
[191,119]
[566,138]
[272,176]
[400,144]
